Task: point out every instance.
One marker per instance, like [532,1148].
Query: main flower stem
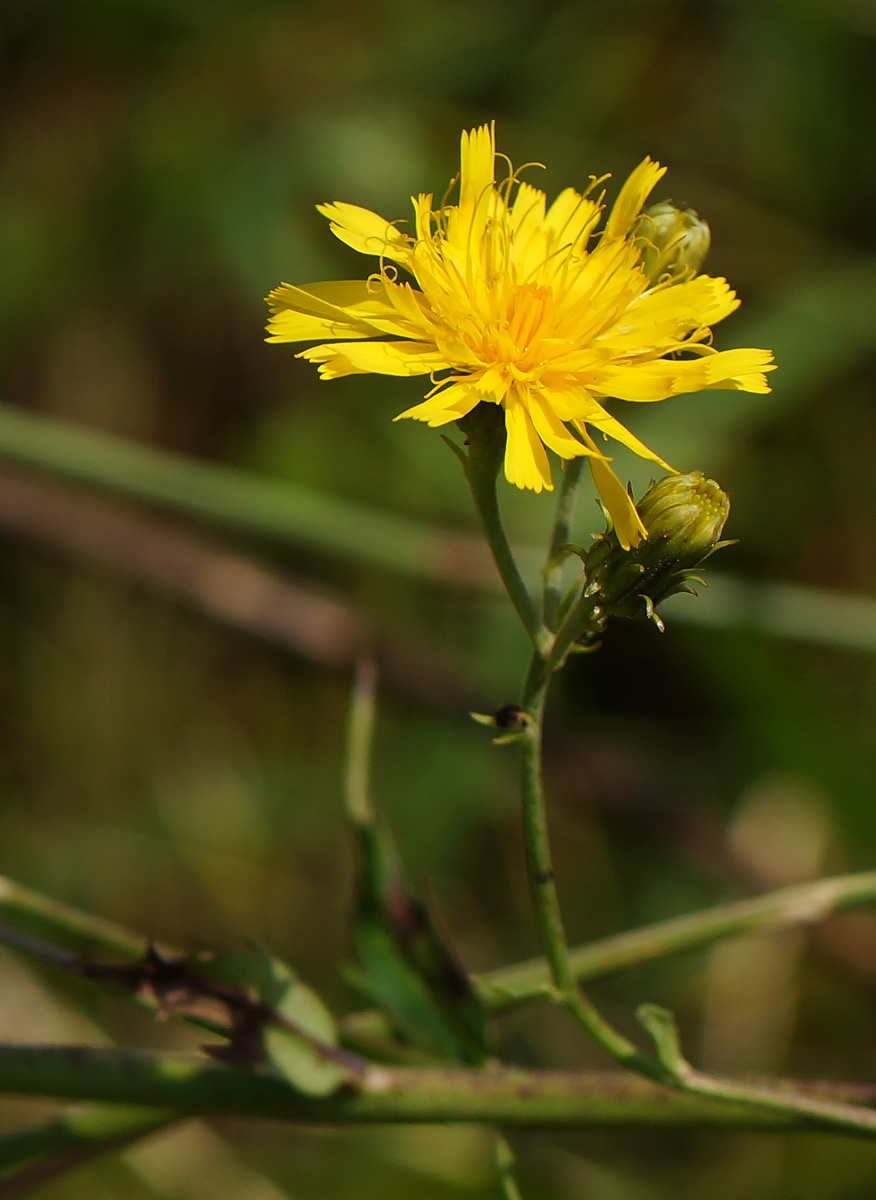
[544,888]
[485,439]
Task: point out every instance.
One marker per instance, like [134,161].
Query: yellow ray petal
[528,208]
[631,197]
[477,155]
[526,464]
[627,522]
[367,232]
[669,313]
[449,404]
[466,223]
[740,370]
[571,216]
[331,298]
[569,404]
[607,424]
[288,326]
[492,384]
[529,239]
[378,358]
[341,309]
[732,370]
[552,431]
[650,381]
[410,308]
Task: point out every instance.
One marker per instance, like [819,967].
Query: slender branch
[499,990]
[660,1024]
[484,493]
[553,573]
[506,1096]
[32,912]
[573,626]
[785,908]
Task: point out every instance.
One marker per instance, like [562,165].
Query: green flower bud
[685,517]
[673,241]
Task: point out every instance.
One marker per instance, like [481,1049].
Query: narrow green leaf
[404,963]
[412,974]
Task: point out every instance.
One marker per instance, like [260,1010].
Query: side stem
[553,572]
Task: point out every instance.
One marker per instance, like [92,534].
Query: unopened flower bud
[673,241]
[685,517]
[688,512]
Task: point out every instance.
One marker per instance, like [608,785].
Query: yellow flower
[521,305]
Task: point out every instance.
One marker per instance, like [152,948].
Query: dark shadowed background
[173,714]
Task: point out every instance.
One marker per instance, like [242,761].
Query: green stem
[578,620]
[503,1096]
[485,434]
[33,913]
[60,925]
[538,853]
[785,908]
[543,886]
[553,575]
[661,1025]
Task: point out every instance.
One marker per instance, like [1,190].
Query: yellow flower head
[522,305]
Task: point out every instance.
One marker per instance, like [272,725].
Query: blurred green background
[173,715]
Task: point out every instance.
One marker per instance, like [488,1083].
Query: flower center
[515,329]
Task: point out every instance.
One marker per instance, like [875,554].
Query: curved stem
[485,434]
